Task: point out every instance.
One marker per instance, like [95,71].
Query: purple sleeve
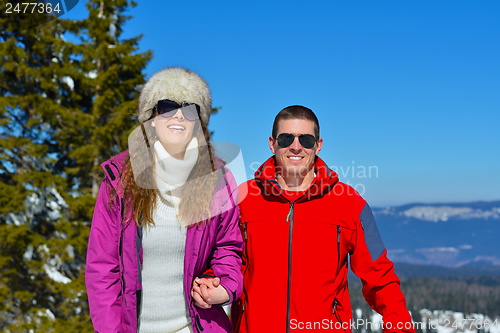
[102,272]
[226,262]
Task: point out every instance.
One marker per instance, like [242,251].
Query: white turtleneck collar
[172,173]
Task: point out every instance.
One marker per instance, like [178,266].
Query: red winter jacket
[295,258]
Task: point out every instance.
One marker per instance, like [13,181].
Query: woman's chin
[175,141]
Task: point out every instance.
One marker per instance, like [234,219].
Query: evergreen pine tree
[355,320]
[367,316]
[65,107]
[417,319]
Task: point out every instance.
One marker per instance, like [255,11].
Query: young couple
[170,244]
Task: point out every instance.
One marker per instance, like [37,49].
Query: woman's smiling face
[174,132]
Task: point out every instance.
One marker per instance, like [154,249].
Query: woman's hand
[206,292]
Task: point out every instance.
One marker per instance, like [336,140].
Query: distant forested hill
[467,294]
[450,235]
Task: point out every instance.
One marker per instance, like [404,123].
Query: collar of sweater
[172,173]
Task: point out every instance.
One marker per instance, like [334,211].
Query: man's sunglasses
[167,108]
[306,140]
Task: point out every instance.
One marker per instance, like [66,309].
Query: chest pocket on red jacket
[322,237]
[322,243]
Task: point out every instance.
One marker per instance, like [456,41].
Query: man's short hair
[296,112]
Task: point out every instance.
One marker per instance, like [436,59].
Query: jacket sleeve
[208,274]
[226,261]
[381,286]
[102,271]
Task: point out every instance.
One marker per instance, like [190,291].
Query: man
[299,225]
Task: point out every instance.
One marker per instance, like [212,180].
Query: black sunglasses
[167,108]
[306,140]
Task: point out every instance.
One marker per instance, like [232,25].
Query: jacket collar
[114,167]
[323,181]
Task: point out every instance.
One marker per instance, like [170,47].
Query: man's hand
[206,292]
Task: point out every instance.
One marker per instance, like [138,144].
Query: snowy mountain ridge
[443,213]
[448,234]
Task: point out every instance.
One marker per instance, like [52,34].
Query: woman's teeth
[176,127]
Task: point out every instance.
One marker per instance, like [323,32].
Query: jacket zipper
[290,228]
[338,264]
[121,253]
[338,250]
[246,245]
[198,324]
[335,302]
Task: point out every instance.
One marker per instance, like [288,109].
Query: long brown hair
[197,193]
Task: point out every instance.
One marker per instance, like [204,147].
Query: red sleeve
[208,274]
[381,286]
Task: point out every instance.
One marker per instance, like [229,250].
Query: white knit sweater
[164,307]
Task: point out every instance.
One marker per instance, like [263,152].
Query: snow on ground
[446,322]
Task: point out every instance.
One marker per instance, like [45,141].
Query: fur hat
[179,85]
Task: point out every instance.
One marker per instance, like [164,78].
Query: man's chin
[297,171]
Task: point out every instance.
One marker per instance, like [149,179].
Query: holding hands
[206,292]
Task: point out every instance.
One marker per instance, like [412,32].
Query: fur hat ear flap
[179,85]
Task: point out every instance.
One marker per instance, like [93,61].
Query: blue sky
[408,88]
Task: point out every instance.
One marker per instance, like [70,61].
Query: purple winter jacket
[114,257]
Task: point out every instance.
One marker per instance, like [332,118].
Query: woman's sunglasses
[306,140]
[167,108]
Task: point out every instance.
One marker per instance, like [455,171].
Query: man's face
[295,160]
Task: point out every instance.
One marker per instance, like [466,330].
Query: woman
[165,215]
